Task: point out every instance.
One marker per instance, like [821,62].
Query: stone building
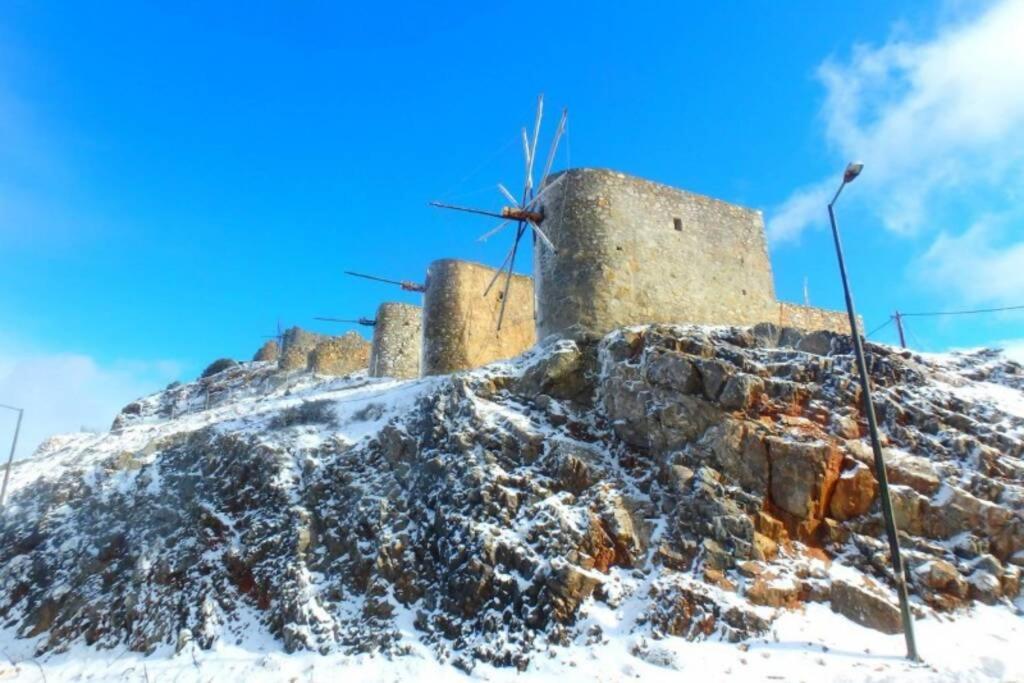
[460,323]
[630,251]
[296,346]
[340,355]
[397,341]
[269,352]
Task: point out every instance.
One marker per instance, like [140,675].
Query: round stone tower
[397,341]
[460,323]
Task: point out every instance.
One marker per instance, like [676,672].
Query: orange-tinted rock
[854,493]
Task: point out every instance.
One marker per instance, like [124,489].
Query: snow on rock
[631,495]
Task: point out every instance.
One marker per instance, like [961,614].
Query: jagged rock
[802,475]
[865,605]
[818,343]
[576,467]
[673,370]
[941,576]
[740,453]
[985,586]
[773,591]
[854,493]
[561,373]
[908,509]
[570,586]
[741,392]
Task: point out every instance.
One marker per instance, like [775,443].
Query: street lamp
[852,171]
[14,445]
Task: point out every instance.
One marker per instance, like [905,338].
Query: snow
[809,645]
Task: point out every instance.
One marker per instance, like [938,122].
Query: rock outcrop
[702,479]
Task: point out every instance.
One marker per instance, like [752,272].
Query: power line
[979,310]
[881,327]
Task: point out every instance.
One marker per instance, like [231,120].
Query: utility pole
[14,446]
[900,576]
[898,317]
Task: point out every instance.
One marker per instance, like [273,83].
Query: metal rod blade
[536,136]
[453,207]
[529,162]
[543,238]
[536,197]
[497,273]
[554,147]
[508,278]
[491,233]
[508,195]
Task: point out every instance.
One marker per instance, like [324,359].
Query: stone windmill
[526,213]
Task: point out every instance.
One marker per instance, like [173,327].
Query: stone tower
[630,252]
[397,341]
[460,324]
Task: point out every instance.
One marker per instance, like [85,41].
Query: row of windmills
[609,250]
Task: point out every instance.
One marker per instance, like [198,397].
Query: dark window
[677,223]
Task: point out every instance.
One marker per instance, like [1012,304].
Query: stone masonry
[397,341]
[460,324]
[269,352]
[630,251]
[298,343]
[811,318]
[340,355]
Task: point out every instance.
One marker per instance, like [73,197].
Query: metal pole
[869,410]
[899,327]
[14,446]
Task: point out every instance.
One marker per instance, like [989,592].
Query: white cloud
[980,265]
[931,120]
[65,392]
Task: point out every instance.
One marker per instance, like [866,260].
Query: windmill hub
[518,214]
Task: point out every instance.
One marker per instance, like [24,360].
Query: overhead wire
[970,312]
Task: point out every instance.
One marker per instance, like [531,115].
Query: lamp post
[852,171]
[14,445]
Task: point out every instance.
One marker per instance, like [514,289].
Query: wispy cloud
[928,118]
[69,392]
[982,265]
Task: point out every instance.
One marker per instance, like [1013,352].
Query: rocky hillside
[699,482]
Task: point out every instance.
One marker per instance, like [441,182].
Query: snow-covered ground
[810,645]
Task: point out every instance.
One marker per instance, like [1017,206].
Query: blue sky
[173,180]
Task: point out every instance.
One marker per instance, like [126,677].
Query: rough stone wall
[340,355]
[811,318]
[397,341]
[460,324]
[268,352]
[298,343]
[631,251]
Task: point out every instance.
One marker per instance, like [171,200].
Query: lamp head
[853,170]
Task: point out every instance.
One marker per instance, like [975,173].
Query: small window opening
[677,223]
